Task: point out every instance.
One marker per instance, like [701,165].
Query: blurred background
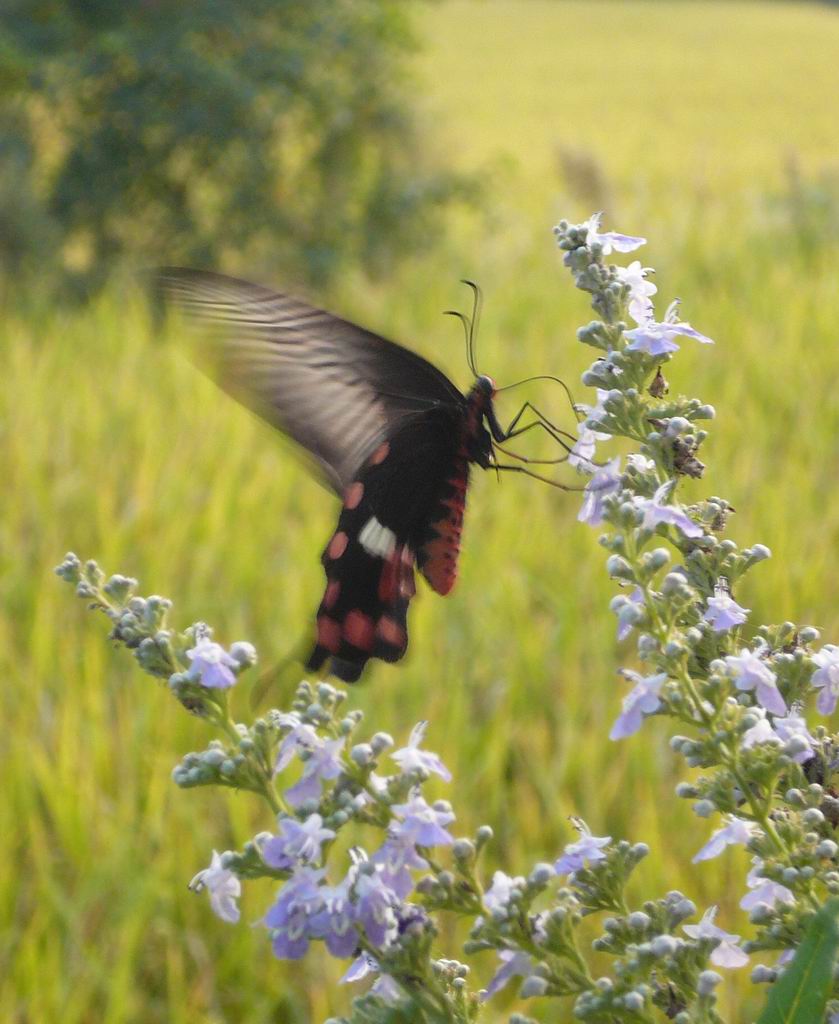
[372,154]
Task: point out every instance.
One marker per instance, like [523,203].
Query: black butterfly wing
[386,519]
[336,389]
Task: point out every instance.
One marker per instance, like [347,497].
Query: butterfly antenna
[467,333]
[546,376]
[477,304]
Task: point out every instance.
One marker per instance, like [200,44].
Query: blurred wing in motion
[336,389]
[385,426]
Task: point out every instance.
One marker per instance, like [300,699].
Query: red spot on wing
[329,633]
[391,632]
[380,454]
[333,589]
[389,579]
[440,567]
[338,545]
[359,630]
[438,556]
[353,495]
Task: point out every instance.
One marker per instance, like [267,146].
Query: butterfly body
[392,436]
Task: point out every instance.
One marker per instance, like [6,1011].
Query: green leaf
[800,995]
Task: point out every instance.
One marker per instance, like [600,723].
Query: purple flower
[736,831]
[301,736]
[640,463]
[760,733]
[359,969]
[826,678]
[750,672]
[791,732]
[498,895]
[513,963]
[595,413]
[764,890]
[606,481]
[375,906]
[794,728]
[656,339]
[297,843]
[587,850]
[657,512]
[298,901]
[727,952]
[584,448]
[609,240]
[211,665]
[335,923]
[324,762]
[724,613]
[223,886]
[642,700]
[421,823]
[398,857]
[640,290]
[411,758]
[385,987]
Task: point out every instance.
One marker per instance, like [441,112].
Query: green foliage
[275,130]
[800,995]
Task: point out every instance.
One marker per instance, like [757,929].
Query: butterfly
[389,433]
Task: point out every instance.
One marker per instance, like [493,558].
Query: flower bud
[638,920]
[634,1002]
[541,875]
[463,849]
[707,982]
[761,913]
[763,975]
[380,742]
[664,946]
[243,653]
[618,568]
[812,817]
[533,986]
[362,754]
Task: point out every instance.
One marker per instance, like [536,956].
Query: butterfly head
[485,385]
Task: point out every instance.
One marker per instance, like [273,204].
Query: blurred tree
[276,130]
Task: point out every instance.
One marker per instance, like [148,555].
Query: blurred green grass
[683,116]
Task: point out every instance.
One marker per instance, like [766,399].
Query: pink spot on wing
[359,630]
[380,454]
[353,495]
[338,545]
[333,589]
[391,632]
[329,633]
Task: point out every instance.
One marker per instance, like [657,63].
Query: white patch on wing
[376,539]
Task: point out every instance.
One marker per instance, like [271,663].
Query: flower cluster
[740,697]
[377,907]
[741,694]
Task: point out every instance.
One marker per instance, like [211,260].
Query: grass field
[682,119]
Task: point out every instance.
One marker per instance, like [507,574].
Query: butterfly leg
[502,467]
[554,432]
[514,430]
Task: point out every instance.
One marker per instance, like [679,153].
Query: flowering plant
[740,695]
